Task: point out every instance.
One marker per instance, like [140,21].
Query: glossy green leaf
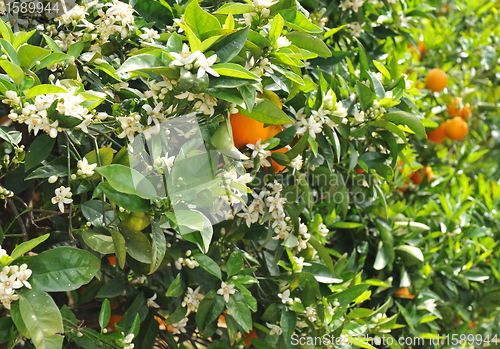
[99,242]
[63,269]
[309,42]
[408,119]
[28,246]
[120,248]
[13,70]
[42,318]
[127,180]
[44,89]
[198,20]
[209,309]
[231,45]
[209,265]
[104,314]
[159,245]
[176,289]
[234,70]
[267,112]
[239,311]
[39,150]
[130,202]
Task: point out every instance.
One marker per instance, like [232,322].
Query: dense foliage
[227,175]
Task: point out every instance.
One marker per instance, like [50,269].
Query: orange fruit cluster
[454,109]
[418,176]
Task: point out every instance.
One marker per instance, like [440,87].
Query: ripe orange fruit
[359,170]
[403,292]
[113,320]
[250,335]
[247,130]
[112,260]
[422,49]
[274,130]
[418,176]
[436,80]
[456,128]
[438,135]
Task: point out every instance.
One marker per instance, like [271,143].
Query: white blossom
[149,35]
[275,329]
[184,57]
[226,290]
[84,168]
[62,197]
[203,64]
[285,297]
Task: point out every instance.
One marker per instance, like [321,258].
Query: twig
[105,135]
[13,208]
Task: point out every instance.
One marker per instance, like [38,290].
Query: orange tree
[224,175]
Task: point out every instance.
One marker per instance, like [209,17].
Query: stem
[105,136]
[13,208]
[70,228]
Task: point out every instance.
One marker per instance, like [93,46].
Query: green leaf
[44,89]
[13,70]
[235,9]
[408,119]
[38,151]
[209,310]
[96,212]
[209,265]
[309,42]
[249,94]
[231,45]
[154,11]
[6,324]
[159,245]
[127,180]
[139,62]
[104,314]
[112,288]
[10,51]
[52,44]
[120,248]
[234,70]
[6,32]
[22,38]
[130,202]
[138,245]
[198,20]
[366,96]
[222,140]
[51,59]
[28,246]
[333,31]
[239,311]
[41,317]
[15,314]
[296,20]
[267,112]
[234,264]
[98,242]
[288,323]
[276,27]
[347,296]
[177,287]
[411,254]
[63,269]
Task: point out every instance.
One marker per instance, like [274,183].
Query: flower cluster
[12,278]
[40,115]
